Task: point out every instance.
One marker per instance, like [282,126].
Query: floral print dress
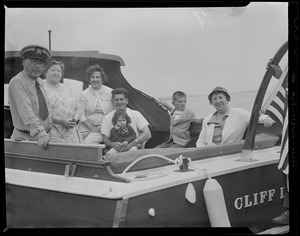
[62,105]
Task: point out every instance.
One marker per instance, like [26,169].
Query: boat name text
[257,198]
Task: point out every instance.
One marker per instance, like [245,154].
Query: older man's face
[33,67]
[120,102]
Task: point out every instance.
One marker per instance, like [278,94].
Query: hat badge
[38,50]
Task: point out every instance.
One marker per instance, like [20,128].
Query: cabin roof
[84,54]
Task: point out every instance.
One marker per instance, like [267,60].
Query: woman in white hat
[227,124]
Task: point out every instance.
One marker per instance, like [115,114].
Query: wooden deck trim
[277,230]
[63,151]
[120,213]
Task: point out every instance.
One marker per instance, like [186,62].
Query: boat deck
[142,181]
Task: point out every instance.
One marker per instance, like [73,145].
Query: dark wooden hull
[173,210]
[38,208]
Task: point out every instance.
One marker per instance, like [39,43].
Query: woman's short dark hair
[119,113]
[51,63]
[90,70]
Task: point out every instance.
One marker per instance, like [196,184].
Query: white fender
[215,204]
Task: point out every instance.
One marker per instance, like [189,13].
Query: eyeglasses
[36,61]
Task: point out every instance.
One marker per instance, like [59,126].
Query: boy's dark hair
[178,94]
[119,91]
[119,113]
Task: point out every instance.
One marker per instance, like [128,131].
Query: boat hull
[248,204]
[38,208]
[173,210]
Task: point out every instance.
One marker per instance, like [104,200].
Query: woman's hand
[91,127]
[268,122]
[73,121]
[67,124]
[96,129]
[277,70]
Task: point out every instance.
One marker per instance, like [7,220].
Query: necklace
[53,86]
[223,113]
[220,117]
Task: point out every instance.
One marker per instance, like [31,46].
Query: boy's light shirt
[176,115]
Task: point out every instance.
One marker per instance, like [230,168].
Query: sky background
[164,49]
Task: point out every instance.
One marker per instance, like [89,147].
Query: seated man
[138,122]
[180,122]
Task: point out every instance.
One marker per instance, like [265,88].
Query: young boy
[122,132]
[180,121]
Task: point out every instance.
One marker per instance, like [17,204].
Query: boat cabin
[76,63]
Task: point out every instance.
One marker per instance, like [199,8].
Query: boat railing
[257,106]
[87,161]
[88,152]
[80,160]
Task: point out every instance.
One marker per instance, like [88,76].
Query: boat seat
[195,130]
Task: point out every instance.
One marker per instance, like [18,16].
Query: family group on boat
[44,110]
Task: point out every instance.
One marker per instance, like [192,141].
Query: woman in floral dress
[62,105]
[95,103]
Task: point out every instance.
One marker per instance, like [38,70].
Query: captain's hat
[36,52]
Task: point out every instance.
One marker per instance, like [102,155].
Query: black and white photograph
[149,117]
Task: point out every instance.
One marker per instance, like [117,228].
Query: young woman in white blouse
[95,102]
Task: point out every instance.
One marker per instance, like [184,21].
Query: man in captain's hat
[28,101]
